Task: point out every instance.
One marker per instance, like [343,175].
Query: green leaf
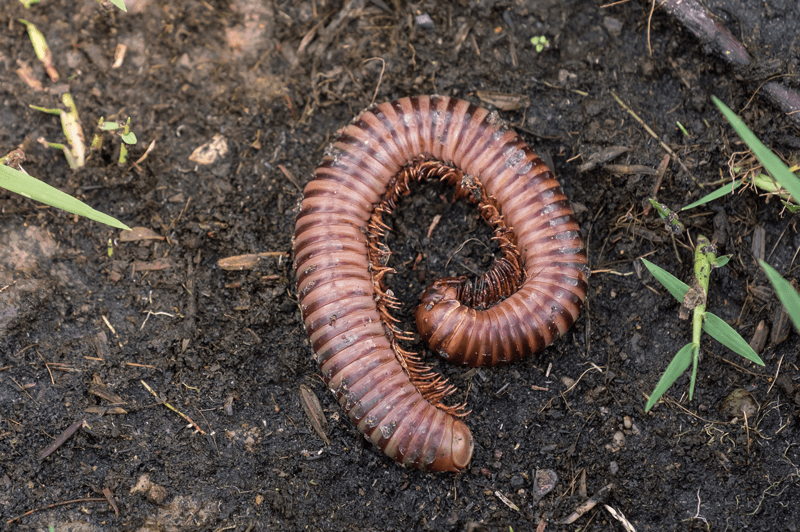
[120,4]
[727,336]
[678,365]
[726,189]
[786,293]
[129,138]
[30,187]
[110,126]
[675,286]
[771,162]
[722,261]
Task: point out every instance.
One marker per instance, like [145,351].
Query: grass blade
[22,183]
[727,336]
[678,365]
[675,286]
[786,293]
[771,162]
[695,360]
[722,191]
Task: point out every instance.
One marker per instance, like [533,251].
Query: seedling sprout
[695,299]
[781,181]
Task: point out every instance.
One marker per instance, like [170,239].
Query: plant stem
[704,259]
[123,148]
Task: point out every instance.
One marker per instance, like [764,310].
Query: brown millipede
[529,297]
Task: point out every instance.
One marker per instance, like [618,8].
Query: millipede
[528,298]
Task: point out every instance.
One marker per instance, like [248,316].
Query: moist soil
[87,317]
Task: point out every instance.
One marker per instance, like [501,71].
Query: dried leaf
[25,73]
[503,100]
[314,412]
[101,390]
[139,233]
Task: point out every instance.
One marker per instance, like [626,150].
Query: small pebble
[613,25]
[424,20]
[617,443]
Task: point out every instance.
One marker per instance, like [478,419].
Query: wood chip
[759,242]
[630,169]
[759,337]
[102,410]
[780,325]
[248,261]
[160,264]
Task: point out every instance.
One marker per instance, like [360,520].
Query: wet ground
[84,324]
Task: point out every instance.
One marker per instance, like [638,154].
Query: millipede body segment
[528,298]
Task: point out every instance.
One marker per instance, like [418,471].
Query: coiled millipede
[528,298]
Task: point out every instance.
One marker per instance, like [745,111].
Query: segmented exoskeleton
[529,297]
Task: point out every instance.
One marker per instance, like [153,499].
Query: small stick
[600,496]
[54,505]
[662,169]
[652,133]
[649,21]
[777,372]
[184,416]
[747,429]
[134,364]
[24,390]
[146,153]
[60,440]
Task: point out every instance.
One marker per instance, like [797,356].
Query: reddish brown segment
[535,290]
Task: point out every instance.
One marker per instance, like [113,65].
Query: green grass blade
[678,365]
[786,293]
[695,360]
[722,191]
[727,336]
[22,183]
[771,162]
[675,286]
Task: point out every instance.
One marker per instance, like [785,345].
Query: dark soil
[80,324]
